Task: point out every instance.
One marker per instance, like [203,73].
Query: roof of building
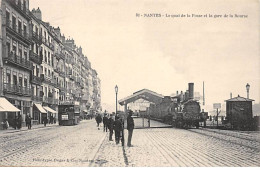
[144,94]
[240,99]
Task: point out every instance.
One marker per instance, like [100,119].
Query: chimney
[182,96]
[186,96]
[63,39]
[177,93]
[230,95]
[37,13]
[191,90]
[80,50]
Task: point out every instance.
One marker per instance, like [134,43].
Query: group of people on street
[117,125]
[17,124]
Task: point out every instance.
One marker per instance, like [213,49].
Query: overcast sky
[164,54]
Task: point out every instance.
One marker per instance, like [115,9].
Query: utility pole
[203,95]
[217,116]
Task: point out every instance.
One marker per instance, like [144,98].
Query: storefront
[38,113]
[51,114]
[7,111]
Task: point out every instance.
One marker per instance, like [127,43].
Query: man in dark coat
[130,127]
[118,129]
[15,122]
[19,121]
[105,122]
[45,120]
[110,127]
[28,121]
[98,120]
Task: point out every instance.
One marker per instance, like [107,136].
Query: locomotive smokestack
[191,90]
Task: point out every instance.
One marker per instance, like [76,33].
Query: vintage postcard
[133,83]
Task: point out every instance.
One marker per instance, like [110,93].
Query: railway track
[237,138]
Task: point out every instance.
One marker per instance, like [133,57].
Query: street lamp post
[247,89]
[116,90]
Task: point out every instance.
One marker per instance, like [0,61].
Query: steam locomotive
[180,111]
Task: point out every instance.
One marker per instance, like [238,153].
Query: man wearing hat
[130,127]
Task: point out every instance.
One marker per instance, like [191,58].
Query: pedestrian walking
[19,121]
[45,120]
[15,122]
[130,127]
[29,123]
[26,120]
[105,122]
[118,129]
[98,120]
[110,127]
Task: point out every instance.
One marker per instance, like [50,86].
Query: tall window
[25,56]
[25,82]
[20,52]
[49,57]
[15,80]
[8,78]
[7,18]
[20,27]
[8,47]
[14,23]
[45,55]
[20,82]
[25,30]
[24,5]
[14,49]
[37,71]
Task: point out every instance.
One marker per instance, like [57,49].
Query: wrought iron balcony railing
[17,60]
[16,89]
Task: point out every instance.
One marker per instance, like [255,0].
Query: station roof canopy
[239,99]
[142,94]
[6,106]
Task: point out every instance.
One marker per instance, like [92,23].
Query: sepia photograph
[133,83]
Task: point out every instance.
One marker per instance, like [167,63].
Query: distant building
[239,112]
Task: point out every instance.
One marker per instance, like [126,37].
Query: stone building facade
[41,67]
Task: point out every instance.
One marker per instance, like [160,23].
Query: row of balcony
[36,80]
[17,89]
[61,73]
[50,100]
[37,37]
[17,60]
[20,8]
[17,31]
[37,98]
[50,81]
[35,57]
[47,43]
[59,56]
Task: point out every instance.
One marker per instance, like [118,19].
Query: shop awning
[49,109]
[6,106]
[40,108]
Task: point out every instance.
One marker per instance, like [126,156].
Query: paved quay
[85,145]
